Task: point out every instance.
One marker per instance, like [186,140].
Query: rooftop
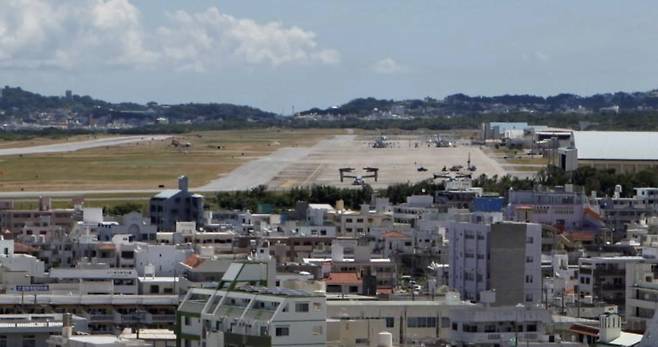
[166,194]
[616,145]
[343,278]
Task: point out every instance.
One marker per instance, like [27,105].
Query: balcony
[160,318]
[101,317]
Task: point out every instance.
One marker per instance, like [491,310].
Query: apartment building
[357,323]
[361,262]
[178,205]
[35,329]
[104,312]
[502,257]
[641,298]
[252,316]
[563,207]
[358,223]
[35,222]
[604,278]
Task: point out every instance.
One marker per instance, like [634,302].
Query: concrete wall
[507,264]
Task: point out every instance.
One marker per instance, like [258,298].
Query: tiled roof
[193,261]
[394,235]
[343,278]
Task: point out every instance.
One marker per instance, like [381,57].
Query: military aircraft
[382,142]
[359,180]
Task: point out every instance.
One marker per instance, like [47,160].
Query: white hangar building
[623,151]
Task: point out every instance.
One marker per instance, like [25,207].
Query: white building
[163,258]
[501,257]
[252,316]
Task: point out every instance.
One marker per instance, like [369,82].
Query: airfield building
[623,151]
[176,205]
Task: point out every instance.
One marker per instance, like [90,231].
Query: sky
[280,54]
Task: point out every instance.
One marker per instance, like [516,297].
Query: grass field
[146,166]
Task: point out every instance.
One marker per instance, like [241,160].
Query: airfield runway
[79,145]
[318,164]
[397,164]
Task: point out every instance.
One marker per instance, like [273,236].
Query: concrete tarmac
[79,145]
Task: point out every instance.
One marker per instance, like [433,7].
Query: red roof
[343,278]
[106,247]
[584,330]
[384,290]
[193,261]
[580,236]
[23,248]
[394,235]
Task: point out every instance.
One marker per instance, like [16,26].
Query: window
[390,322]
[301,307]
[528,297]
[529,239]
[529,259]
[29,341]
[528,278]
[421,322]
[187,320]
[282,331]
[531,328]
[470,328]
[317,330]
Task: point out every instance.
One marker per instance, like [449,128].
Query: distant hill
[24,111]
[461,104]
[18,105]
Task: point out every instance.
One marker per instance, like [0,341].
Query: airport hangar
[623,151]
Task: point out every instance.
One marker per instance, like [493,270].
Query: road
[79,145]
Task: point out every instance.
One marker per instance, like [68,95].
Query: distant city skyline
[278,54]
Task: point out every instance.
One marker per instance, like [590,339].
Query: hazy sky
[277,53]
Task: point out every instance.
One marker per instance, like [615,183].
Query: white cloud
[205,39]
[387,66]
[93,33]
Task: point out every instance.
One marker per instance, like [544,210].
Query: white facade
[163,258]
[259,315]
[478,254]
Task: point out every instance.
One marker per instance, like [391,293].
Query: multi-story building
[357,323]
[132,224]
[502,257]
[493,326]
[361,262]
[35,222]
[604,278]
[252,316]
[104,313]
[641,290]
[35,329]
[565,208]
[179,205]
[358,223]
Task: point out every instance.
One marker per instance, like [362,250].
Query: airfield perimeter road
[79,145]
[318,164]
